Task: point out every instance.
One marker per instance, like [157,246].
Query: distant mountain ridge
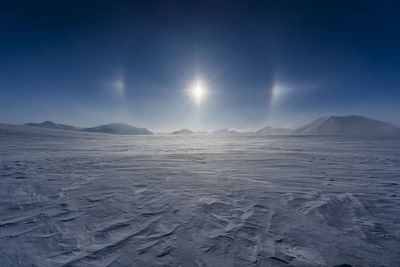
[113,128]
[330,125]
[225,131]
[272,130]
[348,125]
[118,128]
[183,131]
[52,125]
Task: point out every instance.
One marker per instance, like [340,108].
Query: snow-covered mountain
[225,131]
[202,132]
[52,125]
[272,130]
[118,128]
[348,125]
[183,131]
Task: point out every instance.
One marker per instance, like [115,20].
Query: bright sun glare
[198,91]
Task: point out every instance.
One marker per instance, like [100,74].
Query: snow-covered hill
[183,131]
[52,125]
[225,131]
[274,131]
[113,128]
[349,125]
[118,128]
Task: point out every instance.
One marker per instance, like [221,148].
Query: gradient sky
[277,63]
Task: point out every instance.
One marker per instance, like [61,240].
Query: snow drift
[349,125]
[203,200]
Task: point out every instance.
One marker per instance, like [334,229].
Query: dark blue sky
[264,62]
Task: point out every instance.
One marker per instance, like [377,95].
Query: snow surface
[87,199]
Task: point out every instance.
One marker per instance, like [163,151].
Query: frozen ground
[81,199]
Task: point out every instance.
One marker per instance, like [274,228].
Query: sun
[198,91]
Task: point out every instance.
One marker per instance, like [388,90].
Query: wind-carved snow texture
[82,199]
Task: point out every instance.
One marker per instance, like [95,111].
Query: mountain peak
[51,125]
[348,125]
[273,131]
[183,131]
[118,128]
